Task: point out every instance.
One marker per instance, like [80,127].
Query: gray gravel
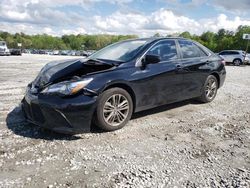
[186,144]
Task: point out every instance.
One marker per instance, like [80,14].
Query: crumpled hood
[57,71]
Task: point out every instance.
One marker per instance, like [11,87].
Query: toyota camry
[106,88]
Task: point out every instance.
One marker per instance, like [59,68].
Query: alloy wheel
[116,109]
[211,89]
[237,62]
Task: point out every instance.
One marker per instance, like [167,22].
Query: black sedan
[106,88]
[15,52]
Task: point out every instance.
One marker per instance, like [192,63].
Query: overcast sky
[141,17]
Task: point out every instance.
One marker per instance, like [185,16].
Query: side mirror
[150,59]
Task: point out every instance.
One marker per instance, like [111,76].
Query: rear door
[194,68]
[227,56]
[235,55]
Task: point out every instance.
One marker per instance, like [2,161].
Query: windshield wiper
[95,61]
[99,61]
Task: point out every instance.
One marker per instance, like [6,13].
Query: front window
[223,53]
[121,51]
[166,50]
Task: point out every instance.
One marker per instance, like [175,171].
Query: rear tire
[237,62]
[114,109]
[209,89]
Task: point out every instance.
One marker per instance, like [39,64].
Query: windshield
[121,51]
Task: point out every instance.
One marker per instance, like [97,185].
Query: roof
[153,39]
[160,38]
[232,51]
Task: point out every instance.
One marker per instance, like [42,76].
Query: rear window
[190,50]
[234,53]
[229,53]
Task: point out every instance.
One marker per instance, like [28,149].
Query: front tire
[209,89]
[114,109]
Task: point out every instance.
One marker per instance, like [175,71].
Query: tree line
[221,40]
[66,42]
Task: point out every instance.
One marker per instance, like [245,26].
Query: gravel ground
[185,144]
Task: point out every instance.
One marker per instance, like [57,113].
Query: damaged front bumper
[65,115]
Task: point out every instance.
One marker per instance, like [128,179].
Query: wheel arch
[216,75]
[237,58]
[127,88]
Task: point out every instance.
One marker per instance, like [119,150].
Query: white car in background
[235,57]
[55,52]
[4,49]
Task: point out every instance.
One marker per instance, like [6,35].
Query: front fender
[115,83]
[105,80]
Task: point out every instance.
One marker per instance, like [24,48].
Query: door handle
[178,67]
[208,61]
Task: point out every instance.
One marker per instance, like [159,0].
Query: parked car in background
[90,52]
[107,87]
[15,51]
[72,53]
[34,51]
[84,53]
[55,52]
[49,52]
[26,51]
[41,51]
[64,52]
[78,53]
[59,52]
[4,49]
[235,57]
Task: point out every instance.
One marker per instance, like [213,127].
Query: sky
[141,17]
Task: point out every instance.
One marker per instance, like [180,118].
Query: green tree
[186,34]
[208,39]
[238,41]
[10,41]
[157,35]
[219,41]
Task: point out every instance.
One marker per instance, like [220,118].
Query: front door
[160,83]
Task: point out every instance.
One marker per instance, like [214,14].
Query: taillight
[223,62]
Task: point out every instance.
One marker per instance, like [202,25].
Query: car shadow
[164,108]
[17,123]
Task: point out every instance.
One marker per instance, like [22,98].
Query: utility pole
[246,50]
[246,37]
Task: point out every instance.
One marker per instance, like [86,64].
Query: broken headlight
[67,88]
